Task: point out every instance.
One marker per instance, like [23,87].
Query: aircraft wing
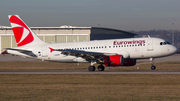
[89,56]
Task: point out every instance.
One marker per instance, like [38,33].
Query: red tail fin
[22,32]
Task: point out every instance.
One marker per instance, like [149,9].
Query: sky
[117,14]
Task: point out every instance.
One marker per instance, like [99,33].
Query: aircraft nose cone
[174,49]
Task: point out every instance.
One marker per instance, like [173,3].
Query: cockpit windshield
[164,43]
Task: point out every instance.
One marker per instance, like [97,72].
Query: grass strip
[99,87]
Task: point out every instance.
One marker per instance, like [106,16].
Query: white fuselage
[130,48]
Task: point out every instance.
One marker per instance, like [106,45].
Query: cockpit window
[168,42]
[161,43]
[164,43]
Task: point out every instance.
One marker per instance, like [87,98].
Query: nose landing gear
[152,64]
[153,67]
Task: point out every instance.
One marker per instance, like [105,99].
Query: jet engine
[118,60]
[113,60]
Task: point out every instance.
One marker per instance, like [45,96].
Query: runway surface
[87,72]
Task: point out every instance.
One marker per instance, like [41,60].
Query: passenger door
[150,45]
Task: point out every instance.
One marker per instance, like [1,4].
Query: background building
[98,33]
[63,34]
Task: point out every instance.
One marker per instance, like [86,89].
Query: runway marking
[87,72]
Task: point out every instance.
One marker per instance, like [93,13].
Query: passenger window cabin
[117,46]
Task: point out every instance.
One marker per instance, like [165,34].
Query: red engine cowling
[118,60]
[113,60]
[129,62]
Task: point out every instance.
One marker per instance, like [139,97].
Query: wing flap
[89,56]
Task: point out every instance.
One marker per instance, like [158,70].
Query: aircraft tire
[153,67]
[91,68]
[101,68]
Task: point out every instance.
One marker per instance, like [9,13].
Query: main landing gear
[152,64]
[101,67]
[93,68]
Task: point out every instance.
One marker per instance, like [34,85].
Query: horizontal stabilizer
[26,52]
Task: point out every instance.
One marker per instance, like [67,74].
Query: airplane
[114,52]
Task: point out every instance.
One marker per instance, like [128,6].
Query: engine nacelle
[129,62]
[118,60]
[113,60]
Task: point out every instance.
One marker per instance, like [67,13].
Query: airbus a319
[114,52]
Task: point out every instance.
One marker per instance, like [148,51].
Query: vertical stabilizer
[23,34]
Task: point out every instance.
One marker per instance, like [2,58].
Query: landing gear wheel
[91,68]
[153,67]
[101,68]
